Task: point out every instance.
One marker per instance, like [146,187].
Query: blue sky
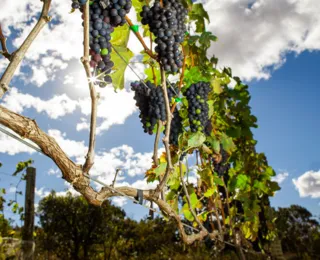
[279,64]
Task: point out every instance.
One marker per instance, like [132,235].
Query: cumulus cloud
[308,184]
[42,192]
[12,147]
[71,147]
[255,36]
[132,164]
[55,107]
[119,201]
[114,108]
[68,189]
[58,42]
[54,172]
[281,177]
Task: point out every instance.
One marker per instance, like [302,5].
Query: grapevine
[211,175]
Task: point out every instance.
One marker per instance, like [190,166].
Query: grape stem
[18,55]
[3,41]
[140,38]
[93,94]
[166,138]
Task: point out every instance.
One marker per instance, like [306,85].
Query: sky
[272,45]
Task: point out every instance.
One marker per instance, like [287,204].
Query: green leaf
[203,216]
[274,186]
[216,83]
[160,169]
[22,166]
[215,144]
[138,7]
[196,140]
[217,180]
[186,212]
[120,66]
[227,143]
[241,181]
[120,36]
[199,14]
[209,192]
[211,108]
[194,200]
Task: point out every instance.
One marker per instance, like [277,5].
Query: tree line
[71,228]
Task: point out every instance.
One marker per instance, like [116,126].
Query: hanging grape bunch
[104,16]
[197,96]
[150,101]
[167,23]
[222,167]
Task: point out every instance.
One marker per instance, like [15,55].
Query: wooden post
[27,233]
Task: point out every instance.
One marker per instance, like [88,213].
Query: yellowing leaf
[217,86]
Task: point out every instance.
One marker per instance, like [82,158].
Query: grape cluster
[222,167]
[150,101]
[167,23]
[197,96]
[104,16]
[100,46]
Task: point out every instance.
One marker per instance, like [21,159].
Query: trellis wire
[107,186]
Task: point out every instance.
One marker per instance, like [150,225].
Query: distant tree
[71,228]
[299,232]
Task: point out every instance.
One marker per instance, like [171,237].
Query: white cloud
[253,40]
[143,185]
[57,43]
[41,192]
[69,189]
[12,147]
[55,172]
[131,164]
[70,147]
[119,201]
[281,177]
[12,189]
[55,107]
[308,184]
[114,108]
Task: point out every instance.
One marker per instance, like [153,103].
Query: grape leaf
[196,140]
[120,66]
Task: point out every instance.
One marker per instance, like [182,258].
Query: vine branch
[3,41]
[93,94]
[140,38]
[167,132]
[18,56]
